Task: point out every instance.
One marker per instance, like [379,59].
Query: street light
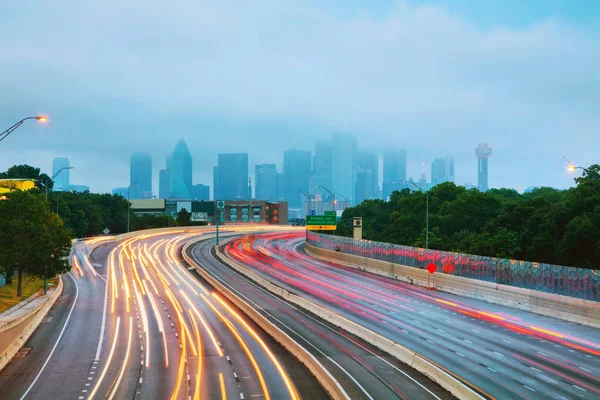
[4,135]
[167,202]
[308,196]
[129,204]
[426,213]
[572,167]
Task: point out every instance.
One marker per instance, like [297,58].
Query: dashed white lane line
[535,369]
[580,388]
[533,390]
[492,369]
[585,369]
[505,341]
[501,355]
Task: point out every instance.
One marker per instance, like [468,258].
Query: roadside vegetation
[31,285]
[546,225]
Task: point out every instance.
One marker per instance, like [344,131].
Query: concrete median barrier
[16,327]
[327,381]
[570,309]
[442,377]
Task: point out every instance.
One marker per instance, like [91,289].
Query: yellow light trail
[77,266]
[124,363]
[110,356]
[200,356]
[242,343]
[223,392]
[203,321]
[284,376]
[446,302]
[180,372]
[558,335]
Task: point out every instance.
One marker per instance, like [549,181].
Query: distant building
[215,183]
[164,190]
[442,170]
[79,188]
[265,182]
[62,180]
[343,166]
[530,189]
[367,182]
[232,177]
[121,191]
[483,152]
[297,172]
[201,192]
[322,168]
[140,176]
[394,171]
[280,185]
[179,166]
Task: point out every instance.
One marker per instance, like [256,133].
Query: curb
[36,314]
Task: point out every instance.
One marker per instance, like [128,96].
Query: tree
[184,217]
[34,240]
[27,172]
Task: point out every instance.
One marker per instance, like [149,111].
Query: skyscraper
[62,180]
[122,191]
[438,171]
[394,171]
[265,182]
[483,152]
[216,183]
[140,173]
[322,167]
[164,192]
[297,171]
[200,192]
[179,166]
[280,185]
[368,165]
[343,166]
[232,176]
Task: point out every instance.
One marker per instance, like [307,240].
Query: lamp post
[346,200]
[4,135]
[426,212]
[129,204]
[309,197]
[331,194]
[166,203]
[572,168]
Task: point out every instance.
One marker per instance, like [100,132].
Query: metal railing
[558,279]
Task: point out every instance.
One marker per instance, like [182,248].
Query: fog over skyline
[433,77]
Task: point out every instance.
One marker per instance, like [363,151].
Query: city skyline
[479,76]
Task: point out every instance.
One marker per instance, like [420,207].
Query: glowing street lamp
[41,118]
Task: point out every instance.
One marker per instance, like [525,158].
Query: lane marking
[57,340]
[103,327]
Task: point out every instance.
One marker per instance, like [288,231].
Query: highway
[133,322]
[501,352]
[363,371]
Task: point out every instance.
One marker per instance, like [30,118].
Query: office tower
[280,185]
[164,192]
[368,165]
[438,171]
[62,180]
[394,171]
[265,182]
[201,192]
[140,176]
[442,170]
[232,176]
[179,166]
[364,185]
[121,191]
[343,166]
[483,152]
[297,171]
[322,168]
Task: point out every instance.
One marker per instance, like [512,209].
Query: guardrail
[18,325]
[329,383]
[557,279]
[454,384]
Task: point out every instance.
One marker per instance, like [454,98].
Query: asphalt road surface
[501,352]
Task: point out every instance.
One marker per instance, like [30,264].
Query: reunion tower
[483,151]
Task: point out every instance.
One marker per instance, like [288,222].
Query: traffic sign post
[220,208]
[321,222]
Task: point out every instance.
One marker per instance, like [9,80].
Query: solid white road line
[57,340]
[103,327]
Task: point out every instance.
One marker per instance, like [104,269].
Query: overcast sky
[262,76]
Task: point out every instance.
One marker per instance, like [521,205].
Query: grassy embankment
[8,293]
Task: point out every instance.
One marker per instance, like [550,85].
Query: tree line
[545,225]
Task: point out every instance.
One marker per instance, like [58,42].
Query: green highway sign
[330,220]
[330,214]
[220,205]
